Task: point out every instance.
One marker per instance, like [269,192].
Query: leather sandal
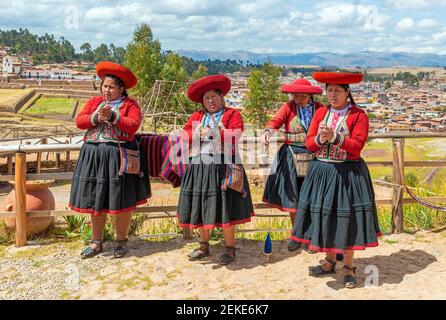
[293,245]
[120,248]
[201,252]
[319,271]
[307,249]
[349,280]
[227,258]
[89,252]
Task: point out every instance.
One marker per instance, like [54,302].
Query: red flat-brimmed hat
[126,75]
[201,86]
[301,86]
[337,77]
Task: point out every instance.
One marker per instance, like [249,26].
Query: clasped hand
[104,114]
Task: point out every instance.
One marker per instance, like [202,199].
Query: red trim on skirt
[335,250]
[107,211]
[275,206]
[212,226]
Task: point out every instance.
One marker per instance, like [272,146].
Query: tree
[118,54]
[144,58]
[173,70]
[101,53]
[199,73]
[371,115]
[87,53]
[264,96]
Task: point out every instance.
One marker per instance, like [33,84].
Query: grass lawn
[52,106]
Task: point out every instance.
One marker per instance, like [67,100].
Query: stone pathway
[405,267]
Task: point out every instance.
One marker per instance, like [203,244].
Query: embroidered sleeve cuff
[116,116]
[112,117]
[94,118]
[334,138]
[338,139]
[318,141]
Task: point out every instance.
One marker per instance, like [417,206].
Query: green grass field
[51,106]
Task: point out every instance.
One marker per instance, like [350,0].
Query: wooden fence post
[67,158]
[10,165]
[20,199]
[57,159]
[39,156]
[398,180]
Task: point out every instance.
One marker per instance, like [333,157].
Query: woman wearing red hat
[214,188]
[283,184]
[100,186]
[337,211]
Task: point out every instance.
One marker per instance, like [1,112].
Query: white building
[78,75]
[11,65]
[419,111]
[61,74]
[399,110]
[35,73]
[432,113]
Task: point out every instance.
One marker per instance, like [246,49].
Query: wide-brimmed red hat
[126,75]
[338,77]
[301,86]
[201,86]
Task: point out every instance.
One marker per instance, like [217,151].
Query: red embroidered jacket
[128,119]
[231,123]
[348,143]
[284,116]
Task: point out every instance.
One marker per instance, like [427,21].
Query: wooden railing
[155,212]
[24,133]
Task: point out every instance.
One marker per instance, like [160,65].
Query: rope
[433,206]
[424,202]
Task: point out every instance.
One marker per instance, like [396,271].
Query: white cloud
[415,4]
[405,24]
[427,23]
[262,25]
[133,10]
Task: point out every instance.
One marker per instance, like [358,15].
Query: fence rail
[156,212]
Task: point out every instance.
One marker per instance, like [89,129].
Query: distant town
[392,107]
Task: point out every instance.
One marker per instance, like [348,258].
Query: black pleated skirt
[97,188]
[203,203]
[283,185]
[337,209]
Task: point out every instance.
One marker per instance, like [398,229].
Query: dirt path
[408,266]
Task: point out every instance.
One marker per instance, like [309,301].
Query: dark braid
[351,99]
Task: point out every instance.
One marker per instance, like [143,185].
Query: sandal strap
[98,243]
[122,242]
[204,246]
[330,262]
[225,258]
[231,249]
[351,269]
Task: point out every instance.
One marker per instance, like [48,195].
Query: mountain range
[364,59]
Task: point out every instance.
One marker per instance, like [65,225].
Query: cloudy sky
[263,26]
